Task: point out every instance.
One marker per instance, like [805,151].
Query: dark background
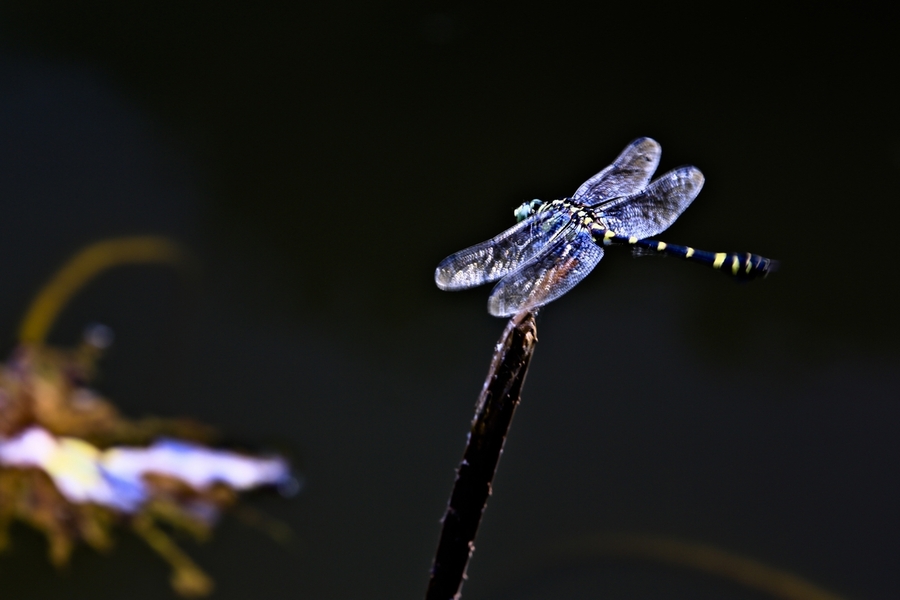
[320,159]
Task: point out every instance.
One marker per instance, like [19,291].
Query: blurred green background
[321,158]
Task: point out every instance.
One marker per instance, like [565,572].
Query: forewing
[653,210]
[491,260]
[628,174]
[548,277]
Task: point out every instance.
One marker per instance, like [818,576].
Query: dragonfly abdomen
[740,265]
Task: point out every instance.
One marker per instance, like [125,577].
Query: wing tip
[645,147]
[647,142]
[690,175]
[697,178]
[443,278]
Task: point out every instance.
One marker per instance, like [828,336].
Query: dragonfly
[556,244]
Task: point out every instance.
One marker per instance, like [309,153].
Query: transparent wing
[628,174]
[491,260]
[557,270]
[654,209]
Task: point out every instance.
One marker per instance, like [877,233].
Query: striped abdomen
[741,265]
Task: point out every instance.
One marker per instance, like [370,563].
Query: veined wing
[628,174]
[551,275]
[653,210]
[491,260]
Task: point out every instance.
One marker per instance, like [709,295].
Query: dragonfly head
[526,210]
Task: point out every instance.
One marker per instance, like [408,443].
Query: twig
[493,415]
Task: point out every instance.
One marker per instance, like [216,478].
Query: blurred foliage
[47,389]
[706,558]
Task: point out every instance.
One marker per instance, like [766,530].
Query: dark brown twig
[493,415]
